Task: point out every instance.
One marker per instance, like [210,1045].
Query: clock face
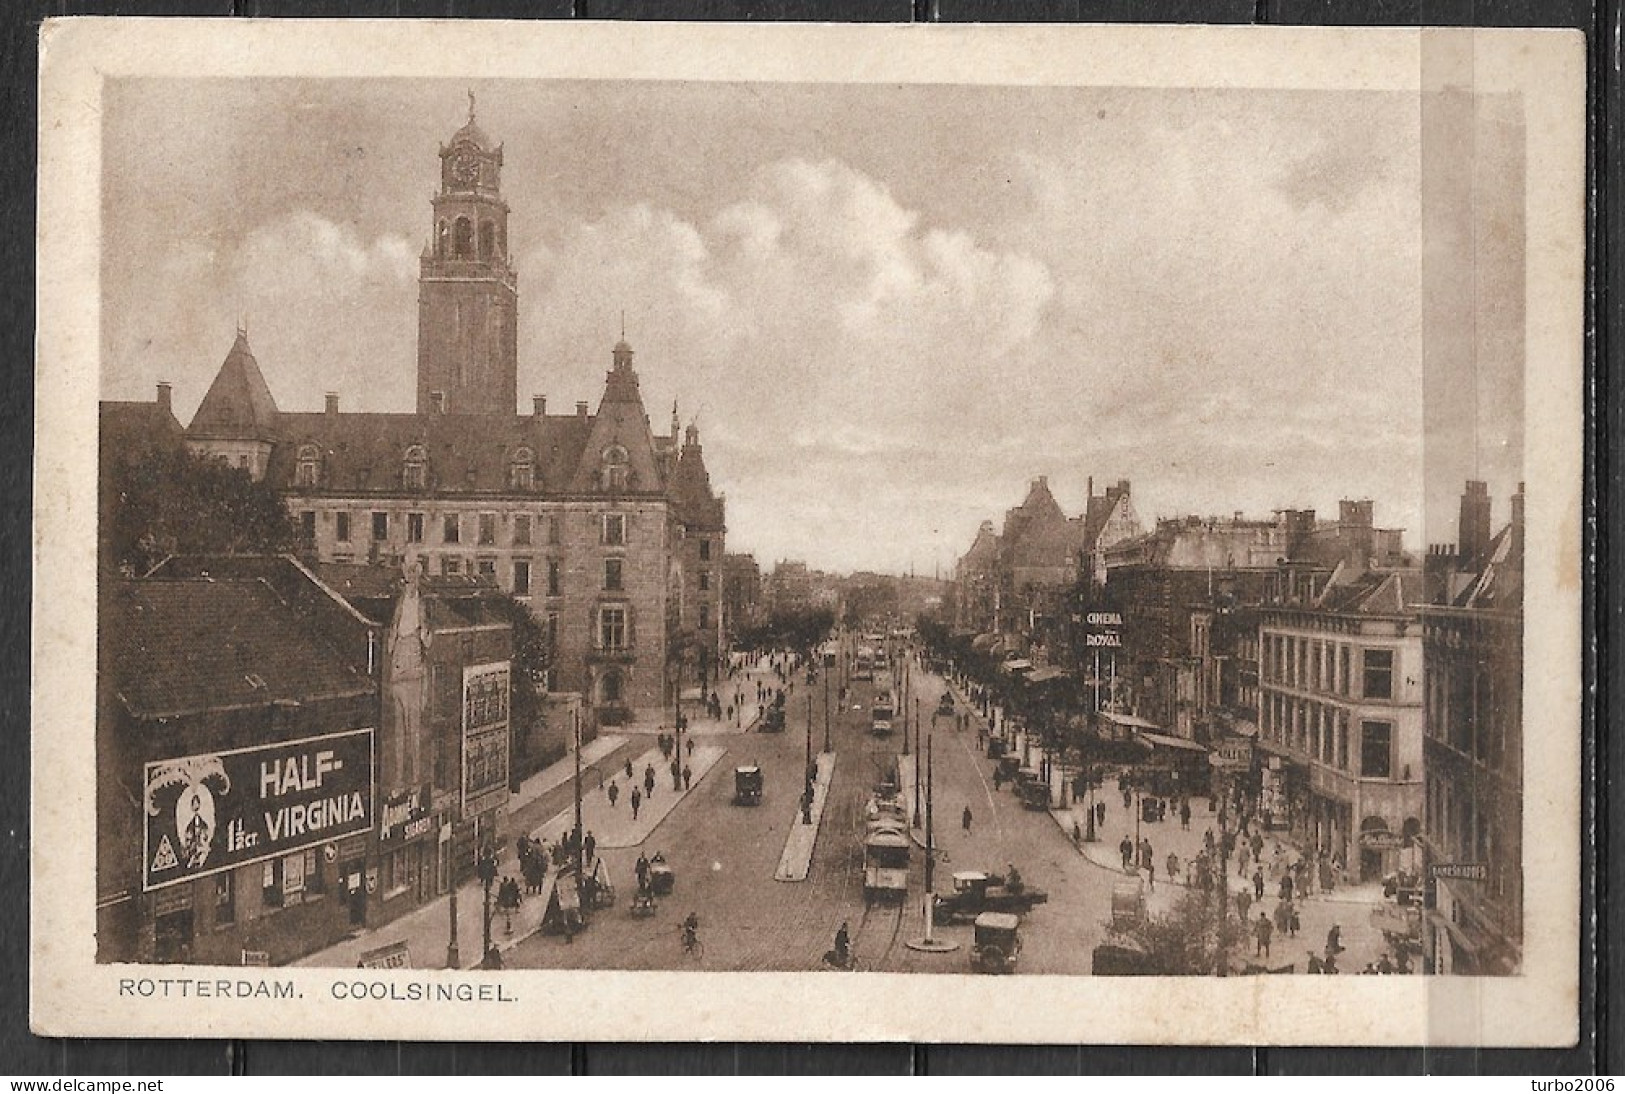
[465,169]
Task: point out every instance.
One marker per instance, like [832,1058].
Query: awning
[1127,721]
[1017,664]
[1241,727]
[982,643]
[1163,740]
[1048,672]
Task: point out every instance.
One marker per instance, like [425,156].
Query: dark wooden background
[1602,1037]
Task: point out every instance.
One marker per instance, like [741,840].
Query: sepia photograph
[979,511]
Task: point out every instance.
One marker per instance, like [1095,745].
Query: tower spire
[471,106]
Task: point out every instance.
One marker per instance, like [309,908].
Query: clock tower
[468,293]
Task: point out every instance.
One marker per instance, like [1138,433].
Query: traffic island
[796,861]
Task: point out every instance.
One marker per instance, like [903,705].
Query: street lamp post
[826,711]
[453,957]
[916,755]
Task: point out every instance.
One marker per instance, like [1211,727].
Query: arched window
[442,233]
[462,238]
[609,688]
[309,466]
[522,471]
[414,469]
[613,473]
[502,240]
[488,236]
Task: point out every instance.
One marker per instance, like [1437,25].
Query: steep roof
[185,646]
[1037,532]
[620,421]
[1373,592]
[469,453]
[129,431]
[697,505]
[238,404]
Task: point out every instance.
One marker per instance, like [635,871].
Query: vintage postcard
[1037,534]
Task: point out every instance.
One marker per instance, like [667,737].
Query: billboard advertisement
[485,736]
[220,810]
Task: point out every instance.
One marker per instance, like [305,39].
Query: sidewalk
[796,861]
[562,771]
[652,722]
[613,825]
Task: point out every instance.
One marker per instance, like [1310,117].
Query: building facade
[1340,698]
[1473,644]
[609,532]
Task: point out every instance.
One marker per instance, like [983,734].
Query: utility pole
[809,767]
[930,943]
[453,958]
[578,832]
[916,757]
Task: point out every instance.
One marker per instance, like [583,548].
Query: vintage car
[1122,957]
[773,720]
[975,892]
[1128,904]
[945,707]
[748,785]
[996,943]
[1034,793]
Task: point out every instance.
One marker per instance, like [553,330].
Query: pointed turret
[237,420]
[697,504]
[619,456]
[238,405]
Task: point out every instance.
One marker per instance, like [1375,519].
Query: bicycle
[692,946]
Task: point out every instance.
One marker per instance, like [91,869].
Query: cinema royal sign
[1103,630]
[217,811]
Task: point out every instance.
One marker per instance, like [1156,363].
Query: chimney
[1473,532]
[164,391]
[1517,522]
[332,402]
[1090,489]
[581,410]
[437,402]
[538,404]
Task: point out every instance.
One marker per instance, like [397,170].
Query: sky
[886,308]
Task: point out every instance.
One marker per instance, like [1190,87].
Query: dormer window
[522,471]
[309,465]
[414,470]
[613,472]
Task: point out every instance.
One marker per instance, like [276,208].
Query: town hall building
[610,532]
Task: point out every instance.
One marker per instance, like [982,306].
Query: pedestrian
[1151,873]
[1126,849]
[1293,924]
[590,845]
[965,819]
[688,773]
[1100,814]
[1146,854]
[1173,866]
[676,775]
[1243,860]
[1258,884]
[689,746]
[1244,901]
[642,870]
[1185,814]
[1283,917]
[649,781]
[1286,887]
[1262,930]
[614,793]
[1334,940]
[1077,835]
[629,767]
[1128,797]
[637,800]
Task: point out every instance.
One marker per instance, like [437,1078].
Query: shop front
[408,858]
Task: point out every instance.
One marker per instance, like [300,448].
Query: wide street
[725,855]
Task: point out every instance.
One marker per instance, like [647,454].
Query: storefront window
[225,899]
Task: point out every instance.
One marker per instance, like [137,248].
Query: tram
[886,847]
[880,715]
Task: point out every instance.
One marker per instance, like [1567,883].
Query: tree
[1191,939]
[171,502]
[531,658]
